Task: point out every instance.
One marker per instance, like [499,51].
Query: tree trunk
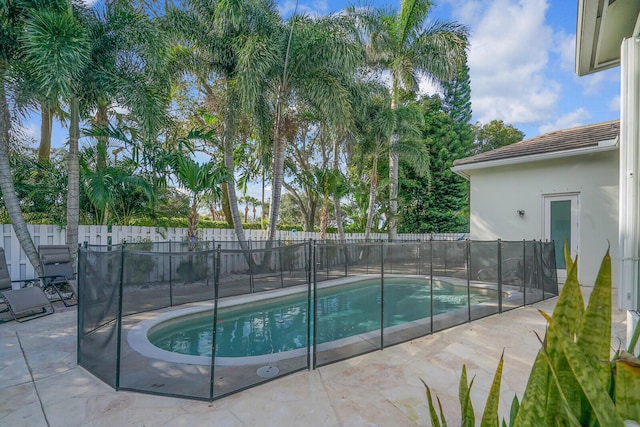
[226,209]
[101,120]
[324,216]
[192,226]
[336,197]
[393,172]
[373,189]
[262,210]
[44,150]
[231,188]
[278,175]
[9,195]
[73,185]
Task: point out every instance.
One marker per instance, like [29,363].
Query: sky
[521,60]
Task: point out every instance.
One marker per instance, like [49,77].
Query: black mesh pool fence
[203,320]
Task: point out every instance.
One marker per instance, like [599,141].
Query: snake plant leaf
[442,418]
[490,414]
[627,386]
[634,340]
[602,406]
[569,309]
[435,421]
[534,405]
[563,413]
[464,394]
[568,315]
[594,336]
[515,406]
[567,255]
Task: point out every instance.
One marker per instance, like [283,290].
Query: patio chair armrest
[52,277]
[27,282]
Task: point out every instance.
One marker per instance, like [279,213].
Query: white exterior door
[560,217]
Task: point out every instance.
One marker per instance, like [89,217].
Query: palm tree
[314,59]
[200,181]
[106,184]
[404,45]
[47,44]
[11,56]
[211,36]
[376,123]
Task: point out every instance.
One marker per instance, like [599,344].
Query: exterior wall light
[520,212]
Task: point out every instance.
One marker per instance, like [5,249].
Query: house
[559,186]
[608,35]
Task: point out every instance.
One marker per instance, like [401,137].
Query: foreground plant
[572,382]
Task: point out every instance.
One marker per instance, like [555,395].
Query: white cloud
[573,119]
[509,52]
[565,47]
[31,130]
[614,104]
[288,7]
[593,83]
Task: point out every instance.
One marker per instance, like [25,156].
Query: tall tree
[214,38]
[199,180]
[457,96]
[314,58]
[408,47]
[495,134]
[47,43]
[436,203]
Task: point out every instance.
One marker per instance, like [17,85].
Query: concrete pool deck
[41,384]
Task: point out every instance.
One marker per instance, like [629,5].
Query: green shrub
[572,381]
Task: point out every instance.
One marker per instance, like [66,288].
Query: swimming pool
[276,328]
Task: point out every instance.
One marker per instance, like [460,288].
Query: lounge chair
[24,303]
[58,274]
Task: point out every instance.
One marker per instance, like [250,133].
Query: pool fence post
[309,260]
[382,296]
[170,266]
[468,247]
[418,263]
[250,261]
[499,276]
[309,248]
[326,256]
[82,255]
[539,269]
[119,324]
[314,318]
[431,283]
[446,249]
[216,281]
[280,263]
[542,269]
[524,272]
[346,259]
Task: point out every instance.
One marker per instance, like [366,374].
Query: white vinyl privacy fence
[20,268]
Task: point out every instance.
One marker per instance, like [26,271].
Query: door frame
[574,197]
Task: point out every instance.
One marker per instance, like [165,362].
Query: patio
[41,385]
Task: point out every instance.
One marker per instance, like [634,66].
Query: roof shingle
[559,140]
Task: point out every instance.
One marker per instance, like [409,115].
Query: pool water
[280,324]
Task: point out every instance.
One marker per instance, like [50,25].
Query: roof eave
[463,170]
[601,27]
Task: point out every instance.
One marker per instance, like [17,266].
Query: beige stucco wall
[498,193]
